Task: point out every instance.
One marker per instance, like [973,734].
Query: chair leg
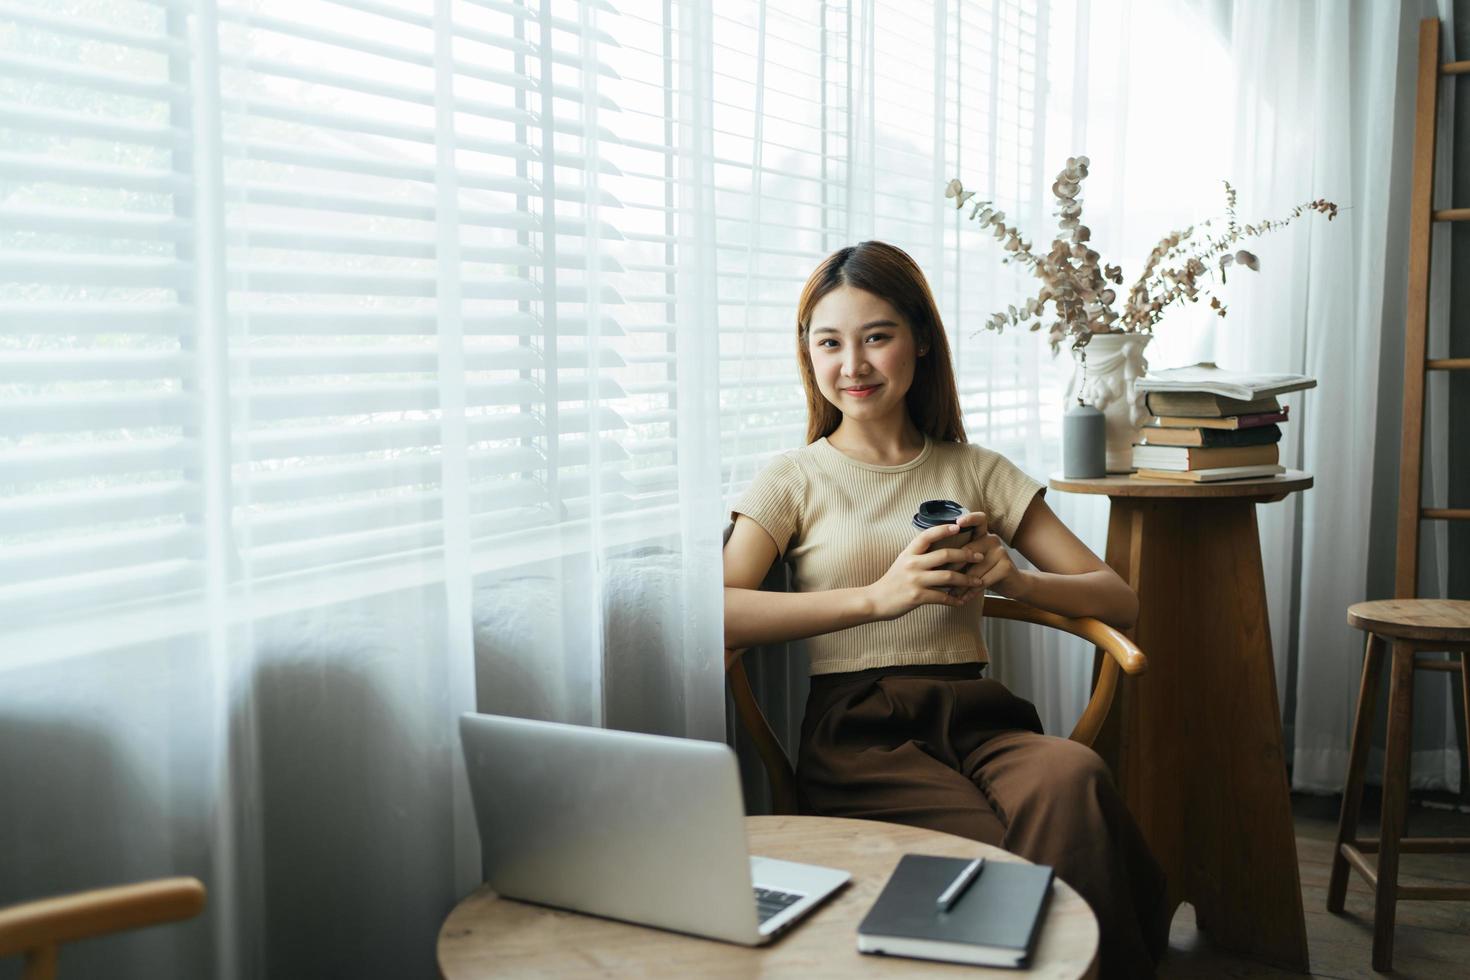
[1352,792]
[40,964]
[1395,801]
[1465,690]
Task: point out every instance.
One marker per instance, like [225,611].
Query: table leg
[1198,742]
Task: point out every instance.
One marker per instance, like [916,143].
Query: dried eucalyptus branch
[1158,288]
[1076,284]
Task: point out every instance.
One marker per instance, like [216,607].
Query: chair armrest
[48,922]
[1122,654]
[1100,634]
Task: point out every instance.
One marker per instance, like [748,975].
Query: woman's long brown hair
[889,273]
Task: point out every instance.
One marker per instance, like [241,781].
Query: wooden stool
[1413,626]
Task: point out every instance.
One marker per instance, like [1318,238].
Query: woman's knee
[1065,767]
[1042,778]
[1081,757]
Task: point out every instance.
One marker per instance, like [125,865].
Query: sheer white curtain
[1330,86]
[354,371]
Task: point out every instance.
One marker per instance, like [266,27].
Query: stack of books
[1210,425]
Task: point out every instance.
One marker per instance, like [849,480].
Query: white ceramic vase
[1114,361]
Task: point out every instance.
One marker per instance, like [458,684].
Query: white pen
[957,887]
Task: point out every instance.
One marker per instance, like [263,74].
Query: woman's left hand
[998,572]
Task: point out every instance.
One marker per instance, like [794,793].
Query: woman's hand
[993,567]
[916,577]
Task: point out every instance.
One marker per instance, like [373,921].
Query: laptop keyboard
[769,902]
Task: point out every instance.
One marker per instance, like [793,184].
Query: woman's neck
[879,442]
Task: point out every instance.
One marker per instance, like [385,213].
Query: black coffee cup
[937,513]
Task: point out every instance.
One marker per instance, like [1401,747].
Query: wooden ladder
[1416,325]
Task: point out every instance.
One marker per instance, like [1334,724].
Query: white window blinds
[452,236]
[99,404]
[351,264]
[419,212]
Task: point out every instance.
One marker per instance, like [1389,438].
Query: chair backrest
[37,929]
[757,727]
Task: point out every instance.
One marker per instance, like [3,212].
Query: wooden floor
[1432,938]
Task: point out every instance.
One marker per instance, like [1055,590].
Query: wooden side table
[1196,741]
[489,936]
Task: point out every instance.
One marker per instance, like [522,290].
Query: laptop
[642,828]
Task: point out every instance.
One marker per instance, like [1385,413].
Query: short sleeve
[773,500]
[1007,491]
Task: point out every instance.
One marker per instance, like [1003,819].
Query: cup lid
[934,513]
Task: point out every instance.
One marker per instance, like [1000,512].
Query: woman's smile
[861,391]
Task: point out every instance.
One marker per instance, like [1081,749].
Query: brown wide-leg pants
[943,748]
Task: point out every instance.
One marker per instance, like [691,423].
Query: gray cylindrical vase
[1084,443]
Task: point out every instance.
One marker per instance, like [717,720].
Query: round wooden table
[489,936]
[1195,742]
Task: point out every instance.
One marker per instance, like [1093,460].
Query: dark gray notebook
[995,921]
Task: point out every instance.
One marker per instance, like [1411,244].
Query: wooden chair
[37,929]
[1410,625]
[1121,654]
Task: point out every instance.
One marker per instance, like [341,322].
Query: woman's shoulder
[777,497]
[798,458]
[968,454]
[786,466]
[987,466]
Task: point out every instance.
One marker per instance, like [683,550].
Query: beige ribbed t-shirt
[840,523]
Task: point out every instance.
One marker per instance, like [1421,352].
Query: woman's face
[863,354]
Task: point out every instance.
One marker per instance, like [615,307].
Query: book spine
[1256,435]
[1211,475]
[1209,438]
[1204,404]
[1256,421]
[1204,458]
[1226,422]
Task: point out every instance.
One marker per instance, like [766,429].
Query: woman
[900,725]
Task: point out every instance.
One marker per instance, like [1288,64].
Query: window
[413,214]
[298,290]
[100,440]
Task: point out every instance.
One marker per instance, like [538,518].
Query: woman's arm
[753,617]
[1068,579]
